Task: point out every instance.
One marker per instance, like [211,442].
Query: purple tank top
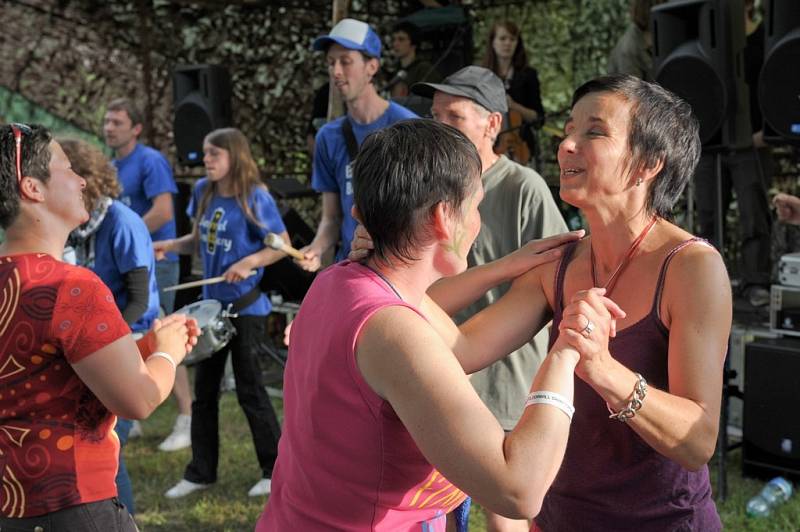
[610,478]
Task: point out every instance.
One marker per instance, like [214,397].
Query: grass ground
[226,507]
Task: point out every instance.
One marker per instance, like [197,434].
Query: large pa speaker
[202,98]
[779,84]
[771,424]
[697,52]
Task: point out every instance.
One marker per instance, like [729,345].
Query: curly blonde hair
[91,163]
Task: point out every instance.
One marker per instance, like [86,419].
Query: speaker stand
[723,446]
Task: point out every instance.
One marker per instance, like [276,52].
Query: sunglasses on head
[18,130]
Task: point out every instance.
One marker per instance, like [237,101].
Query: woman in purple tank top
[648,395]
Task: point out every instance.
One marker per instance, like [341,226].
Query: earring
[638,181]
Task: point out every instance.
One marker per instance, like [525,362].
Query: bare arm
[125,383]
[680,424]
[160,213]
[405,361]
[454,294]
[184,245]
[327,232]
[264,257]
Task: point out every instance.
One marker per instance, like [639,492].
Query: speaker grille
[779,87]
[194,122]
[695,80]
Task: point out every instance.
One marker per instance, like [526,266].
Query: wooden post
[335,104]
[145,48]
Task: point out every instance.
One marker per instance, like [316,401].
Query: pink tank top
[345,460]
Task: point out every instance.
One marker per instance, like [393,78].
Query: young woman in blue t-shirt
[233,212]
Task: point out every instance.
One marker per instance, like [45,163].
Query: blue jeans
[123,480]
[108,515]
[167,274]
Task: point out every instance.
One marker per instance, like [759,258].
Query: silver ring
[587,331]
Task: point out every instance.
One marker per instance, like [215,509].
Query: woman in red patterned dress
[68,362]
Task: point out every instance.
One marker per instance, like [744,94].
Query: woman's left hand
[238,272]
[587,323]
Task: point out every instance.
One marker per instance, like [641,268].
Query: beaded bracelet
[557,400]
[165,356]
[635,403]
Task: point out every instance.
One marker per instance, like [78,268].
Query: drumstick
[274,241]
[201,282]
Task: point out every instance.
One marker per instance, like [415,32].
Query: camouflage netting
[72,56]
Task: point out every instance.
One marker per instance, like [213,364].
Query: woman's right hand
[161,248]
[175,335]
[361,246]
[538,252]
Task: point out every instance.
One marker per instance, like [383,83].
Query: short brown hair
[35,163]
[127,105]
[91,164]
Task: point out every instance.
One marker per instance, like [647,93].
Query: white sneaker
[184,488]
[261,488]
[181,436]
[136,430]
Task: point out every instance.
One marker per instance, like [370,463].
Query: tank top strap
[558,288]
[663,273]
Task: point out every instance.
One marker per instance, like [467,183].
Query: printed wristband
[165,356]
[551,398]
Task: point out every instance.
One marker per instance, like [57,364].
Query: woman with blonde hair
[233,212]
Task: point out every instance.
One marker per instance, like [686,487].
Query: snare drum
[215,326]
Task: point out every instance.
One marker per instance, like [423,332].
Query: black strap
[350,139]
[246,300]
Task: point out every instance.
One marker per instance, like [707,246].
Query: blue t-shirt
[227,236]
[332,169]
[122,244]
[145,174]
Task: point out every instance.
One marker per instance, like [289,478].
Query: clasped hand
[175,334]
[587,323]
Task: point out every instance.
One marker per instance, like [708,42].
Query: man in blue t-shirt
[147,185]
[353,53]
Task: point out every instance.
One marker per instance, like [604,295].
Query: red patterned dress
[57,446]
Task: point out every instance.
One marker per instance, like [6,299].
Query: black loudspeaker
[779,84]
[697,51]
[771,424]
[202,98]
[446,37]
[284,276]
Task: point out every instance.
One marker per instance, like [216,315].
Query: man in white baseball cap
[353,51]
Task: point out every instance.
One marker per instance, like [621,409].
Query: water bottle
[774,493]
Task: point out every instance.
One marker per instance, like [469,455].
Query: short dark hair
[35,163]
[127,105]
[402,172]
[410,29]
[663,128]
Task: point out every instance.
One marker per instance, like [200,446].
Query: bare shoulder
[396,346]
[696,284]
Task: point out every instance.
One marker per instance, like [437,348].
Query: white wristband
[165,356]
[553,399]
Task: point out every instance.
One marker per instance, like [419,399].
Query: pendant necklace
[628,256]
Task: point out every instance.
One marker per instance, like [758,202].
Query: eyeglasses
[18,130]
